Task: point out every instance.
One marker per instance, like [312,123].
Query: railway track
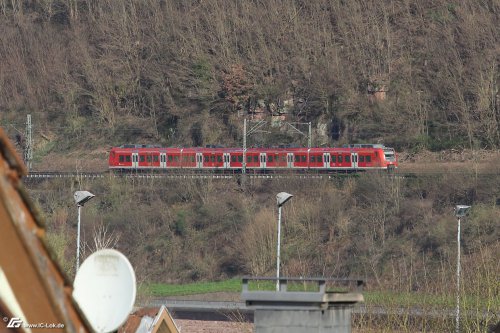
[33,175]
[177,175]
[57,174]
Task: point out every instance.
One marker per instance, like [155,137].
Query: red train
[349,158]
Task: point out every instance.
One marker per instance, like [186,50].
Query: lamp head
[461,210]
[283,197]
[81,197]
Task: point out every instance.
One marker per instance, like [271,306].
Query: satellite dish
[105,289]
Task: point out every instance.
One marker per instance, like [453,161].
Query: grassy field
[165,290]
[399,306]
[380,298]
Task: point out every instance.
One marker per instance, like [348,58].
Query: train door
[354,160]
[199,160]
[262,160]
[227,162]
[163,160]
[135,160]
[326,160]
[290,160]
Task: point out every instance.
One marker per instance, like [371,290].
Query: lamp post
[81,197]
[281,198]
[460,211]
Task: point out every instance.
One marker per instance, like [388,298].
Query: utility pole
[253,129]
[244,167]
[460,211]
[309,137]
[28,144]
[246,133]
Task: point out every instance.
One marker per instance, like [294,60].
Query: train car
[373,156]
[349,158]
[278,159]
[136,157]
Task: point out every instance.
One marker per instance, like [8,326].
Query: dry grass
[451,161]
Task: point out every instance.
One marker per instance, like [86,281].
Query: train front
[390,158]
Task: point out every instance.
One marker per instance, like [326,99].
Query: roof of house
[150,320]
[33,289]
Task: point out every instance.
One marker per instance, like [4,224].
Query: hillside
[420,76]
[414,75]
[397,233]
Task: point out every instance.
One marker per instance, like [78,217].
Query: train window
[303,158]
[155,158]
[249,159]
[270,158]
[207,159]
[347,159]
[368,159]
[334,158]
[283,158]
[148,158]
[320,158]
[240,158]
[297,158]
[256,158]
[219,159]
[313,159]
[233,158]
[127,158]
[141,158]
[176,158]
[170,158]
[361,158]
[212,159]
[121,158]
[340,159]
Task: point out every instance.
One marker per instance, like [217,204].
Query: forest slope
[99,73]
[415,75]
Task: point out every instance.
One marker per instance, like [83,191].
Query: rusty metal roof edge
[8,151]
[59,294]
[32,207]
[55,280]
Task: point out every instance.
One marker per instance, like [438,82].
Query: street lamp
[460,211]
[81,197]
[281,198]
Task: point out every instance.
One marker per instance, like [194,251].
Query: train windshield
[389,154]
